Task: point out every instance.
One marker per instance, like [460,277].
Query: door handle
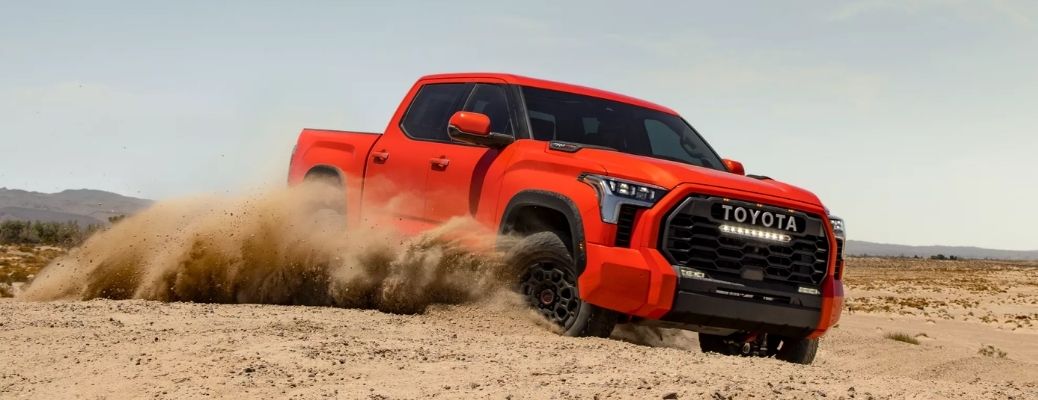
[440,163]
[380,156]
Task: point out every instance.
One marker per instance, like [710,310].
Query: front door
[457,172]
[395,179]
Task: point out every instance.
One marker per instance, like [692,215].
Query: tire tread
[592,321]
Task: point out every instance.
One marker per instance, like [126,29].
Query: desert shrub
[902,337]
[65,234]
[992,351]
[18,273]
[22,265]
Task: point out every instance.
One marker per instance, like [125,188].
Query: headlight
[839,228]
[615,192]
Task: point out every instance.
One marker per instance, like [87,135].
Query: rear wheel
[794,350]
[547,280]
[798,351]
[326,204]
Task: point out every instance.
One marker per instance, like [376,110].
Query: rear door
[395,179]
[458,172]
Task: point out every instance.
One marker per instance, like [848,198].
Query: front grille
[691,237]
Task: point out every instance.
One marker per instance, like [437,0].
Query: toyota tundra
[627,214]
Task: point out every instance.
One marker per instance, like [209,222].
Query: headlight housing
[839,227]
[615,192]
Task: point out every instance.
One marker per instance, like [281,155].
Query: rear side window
[431,109]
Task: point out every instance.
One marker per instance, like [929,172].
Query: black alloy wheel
[551,291]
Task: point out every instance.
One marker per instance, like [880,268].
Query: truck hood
[669,174]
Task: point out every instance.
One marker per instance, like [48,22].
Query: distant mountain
[860,248]
[85,206]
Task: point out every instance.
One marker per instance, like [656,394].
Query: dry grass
[19,264]
[992,292]
[902,337]
[992,351]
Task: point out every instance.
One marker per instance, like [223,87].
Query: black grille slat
[625,225]
[691,237]
[839,259]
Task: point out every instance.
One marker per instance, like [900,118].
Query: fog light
[755,233]
[807,290]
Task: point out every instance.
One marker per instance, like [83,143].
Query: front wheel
[548,283]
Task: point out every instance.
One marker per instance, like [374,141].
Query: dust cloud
[279,247]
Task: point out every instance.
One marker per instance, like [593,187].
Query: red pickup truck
[630,216]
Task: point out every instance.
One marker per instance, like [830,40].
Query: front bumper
[703,304]
[642,284]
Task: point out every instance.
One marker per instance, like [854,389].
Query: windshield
[623,127]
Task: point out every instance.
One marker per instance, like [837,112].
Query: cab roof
[551,85]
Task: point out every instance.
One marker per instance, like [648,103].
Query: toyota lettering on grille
[762,218]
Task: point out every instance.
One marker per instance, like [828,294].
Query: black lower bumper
[707,304]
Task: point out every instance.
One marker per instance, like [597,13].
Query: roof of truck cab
[552,85]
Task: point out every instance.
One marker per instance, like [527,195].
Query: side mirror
[474,128]
[734,167]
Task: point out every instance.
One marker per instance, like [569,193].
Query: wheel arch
[529,210]
[318,171]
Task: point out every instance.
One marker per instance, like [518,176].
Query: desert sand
[974,322]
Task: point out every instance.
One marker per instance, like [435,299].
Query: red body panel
[343,151]
[418,184]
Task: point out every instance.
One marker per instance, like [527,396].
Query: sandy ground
[144,349]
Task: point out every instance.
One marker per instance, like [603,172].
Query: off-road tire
[547,281]
[798,351]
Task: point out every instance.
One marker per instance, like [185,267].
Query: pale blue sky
[915,120]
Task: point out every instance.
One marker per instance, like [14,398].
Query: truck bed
[343,151]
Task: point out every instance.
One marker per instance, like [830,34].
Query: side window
[492,101]
[431,109]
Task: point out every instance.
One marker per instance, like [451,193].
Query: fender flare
[556,202]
